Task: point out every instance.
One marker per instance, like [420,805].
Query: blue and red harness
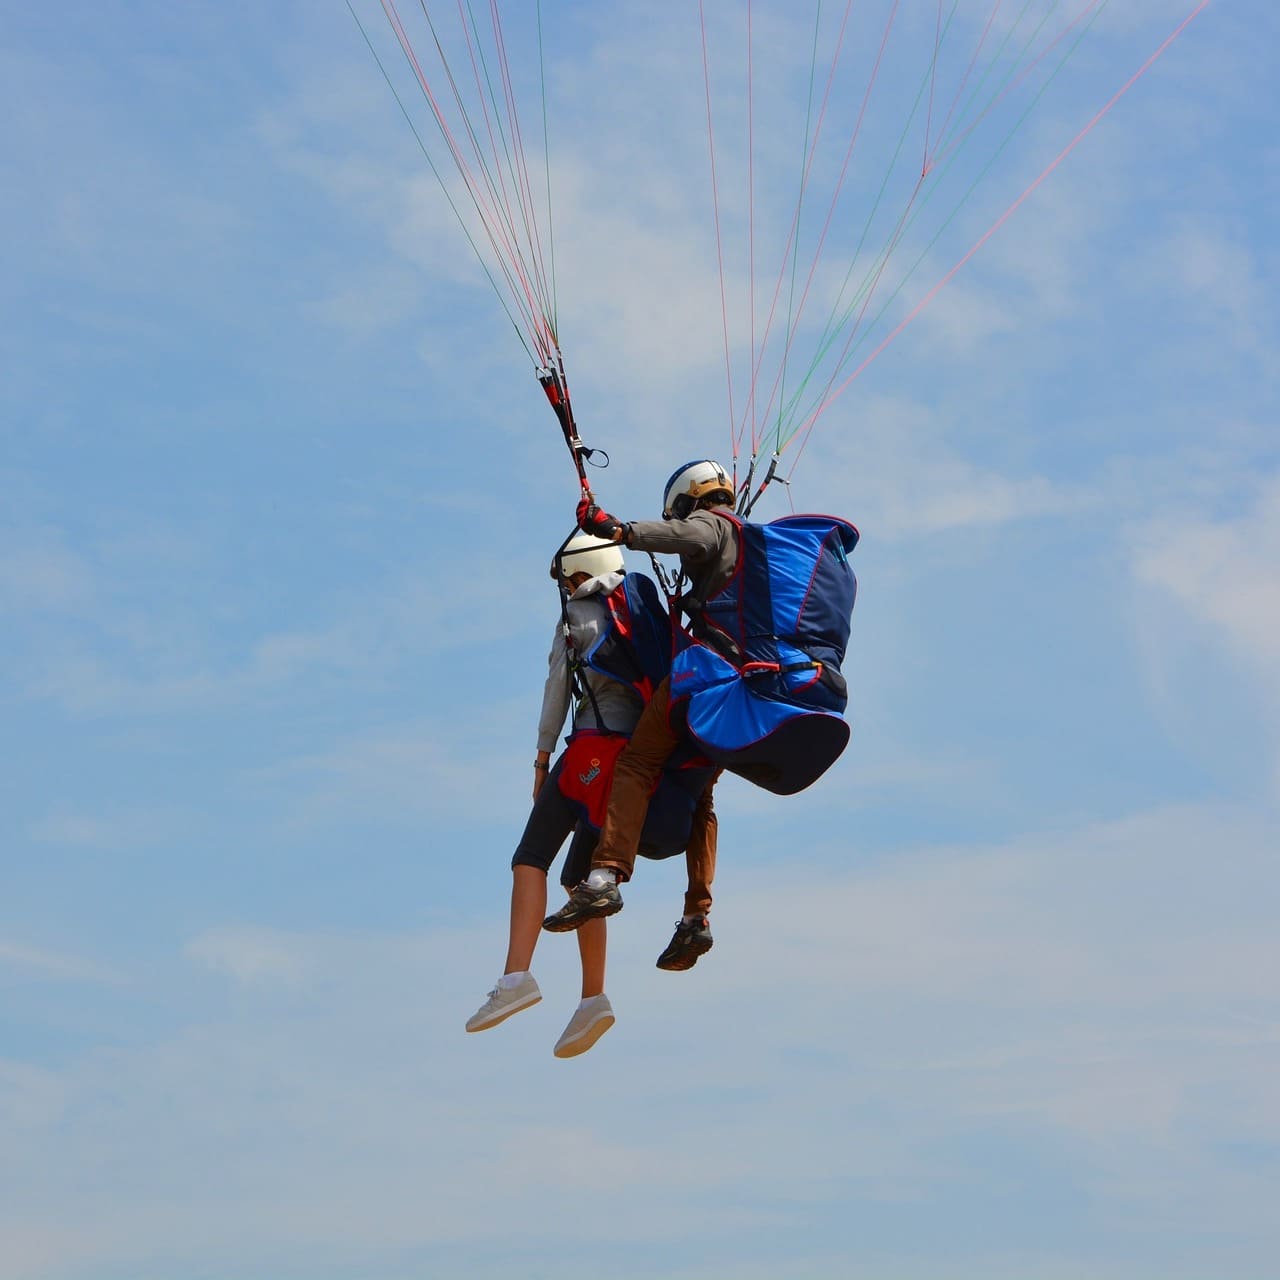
[635,650]
[757,688]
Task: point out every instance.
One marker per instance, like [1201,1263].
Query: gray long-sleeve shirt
[619,708]
[706,544]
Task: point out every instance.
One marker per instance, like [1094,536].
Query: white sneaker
[592,1019]
[503,1002]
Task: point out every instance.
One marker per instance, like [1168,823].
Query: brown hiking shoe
[584,904]
[691,939]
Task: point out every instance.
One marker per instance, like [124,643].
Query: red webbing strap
[558,397]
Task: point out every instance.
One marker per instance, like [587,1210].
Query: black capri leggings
[551,820]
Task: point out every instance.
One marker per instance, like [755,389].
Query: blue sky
[996,999]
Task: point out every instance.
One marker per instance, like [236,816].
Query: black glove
[592,520]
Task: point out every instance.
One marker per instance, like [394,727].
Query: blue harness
[635,650]
[759,689]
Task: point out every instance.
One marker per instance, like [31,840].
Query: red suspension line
[498,165]
[531,220]
[499,213]
[508,259]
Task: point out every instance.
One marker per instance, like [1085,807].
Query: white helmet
[691,483]
[585,553]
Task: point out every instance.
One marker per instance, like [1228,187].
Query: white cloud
[100,832]
[902,475]
[56,966]
[417,771]
[1224,572]
[1105,989]
[369,305]
[145,648]
[253,956]
[1207,267]
[39,571]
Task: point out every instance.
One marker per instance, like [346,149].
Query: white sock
[602,878]
[586,1000]
[691,919]
[510,980]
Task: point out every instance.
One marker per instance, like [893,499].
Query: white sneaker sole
[503,1014]
[585,1038]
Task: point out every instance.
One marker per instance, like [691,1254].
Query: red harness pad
[586,777]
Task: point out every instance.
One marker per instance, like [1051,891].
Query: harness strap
[557,392]
[776,668]
[673,591]
[747,500]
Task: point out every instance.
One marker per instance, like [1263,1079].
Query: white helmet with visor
[691,484]
[585,553]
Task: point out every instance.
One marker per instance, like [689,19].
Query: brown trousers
[635,776]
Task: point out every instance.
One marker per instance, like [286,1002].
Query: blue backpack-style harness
[635,648]
[758,689]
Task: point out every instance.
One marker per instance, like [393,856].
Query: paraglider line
[422,146]
[492,223]
[933,80]
[715,201]
[835,199]
[501,226]
[973,62]
[546,159]
[1015,81]
[1004,217]
[854,341]
[751,230]
[526,187]
[475,53]
[792,248]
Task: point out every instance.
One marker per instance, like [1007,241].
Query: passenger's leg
[592,945]
[528,906]
[550,821]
